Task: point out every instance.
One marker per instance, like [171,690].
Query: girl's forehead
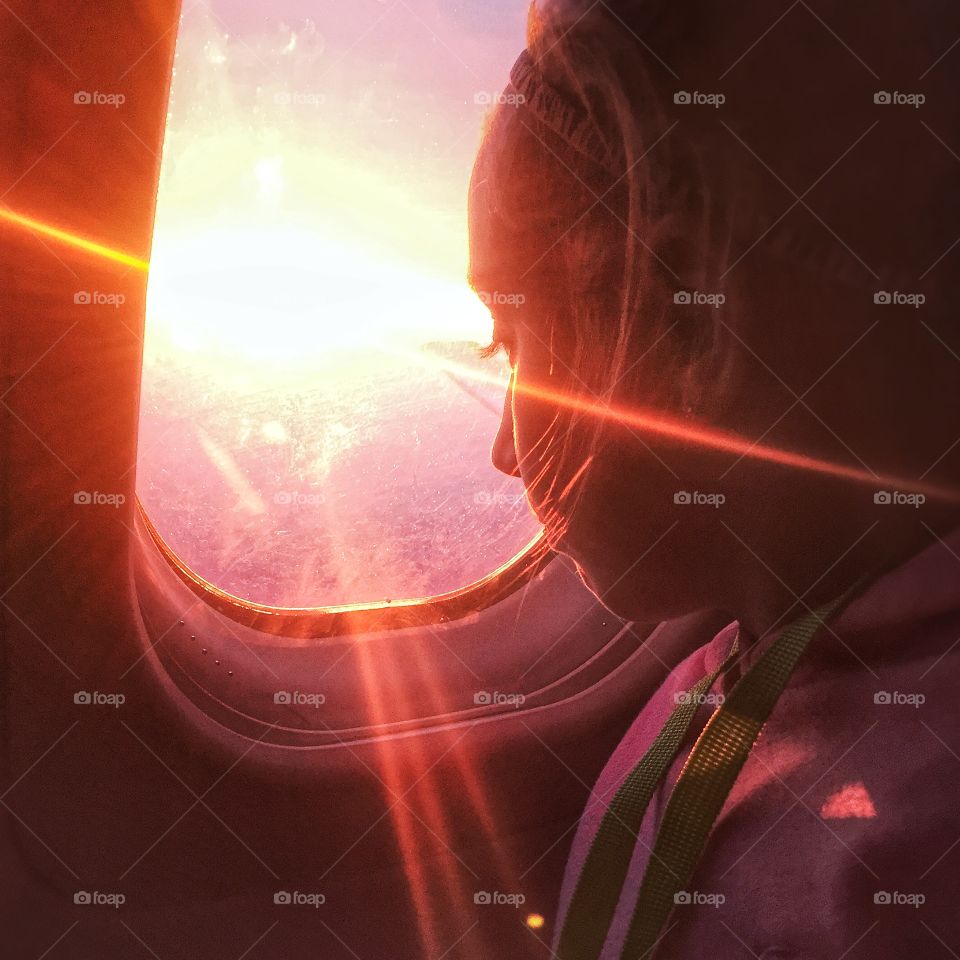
[496,263]
[502,255]
[493,255]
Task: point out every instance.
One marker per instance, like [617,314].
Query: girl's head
[661,287]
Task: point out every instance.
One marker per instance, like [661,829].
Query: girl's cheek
[533,417]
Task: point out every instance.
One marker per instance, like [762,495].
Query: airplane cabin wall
[193,819]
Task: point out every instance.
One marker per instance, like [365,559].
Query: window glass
[315,421]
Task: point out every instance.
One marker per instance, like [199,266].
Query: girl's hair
[604,240]
[610,244]
[588,199]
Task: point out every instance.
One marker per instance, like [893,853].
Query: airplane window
[315,419]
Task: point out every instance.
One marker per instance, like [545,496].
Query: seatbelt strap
[598,887]
[708,776]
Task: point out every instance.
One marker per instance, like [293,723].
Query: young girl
[736,385]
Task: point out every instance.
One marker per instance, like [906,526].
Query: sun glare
[306,208]
[295,297]
[282,253]
[300,442]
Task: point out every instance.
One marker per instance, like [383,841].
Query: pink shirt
[841,836]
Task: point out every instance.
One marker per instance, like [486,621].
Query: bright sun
[290,295]
[300,218]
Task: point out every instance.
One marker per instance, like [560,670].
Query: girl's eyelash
[502,340]
[495,346]
[499,345]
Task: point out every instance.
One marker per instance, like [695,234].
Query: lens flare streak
[650,421]
[72,240]
[645,421]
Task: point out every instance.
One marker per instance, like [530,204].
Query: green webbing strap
[707,778]
[605,869]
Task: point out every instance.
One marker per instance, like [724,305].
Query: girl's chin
[620,596]
[616,597]
[594,585]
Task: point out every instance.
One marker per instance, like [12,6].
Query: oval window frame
[356,618]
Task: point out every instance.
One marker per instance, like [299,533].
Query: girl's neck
[768,602]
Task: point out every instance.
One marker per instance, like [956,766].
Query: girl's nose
[504,451]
